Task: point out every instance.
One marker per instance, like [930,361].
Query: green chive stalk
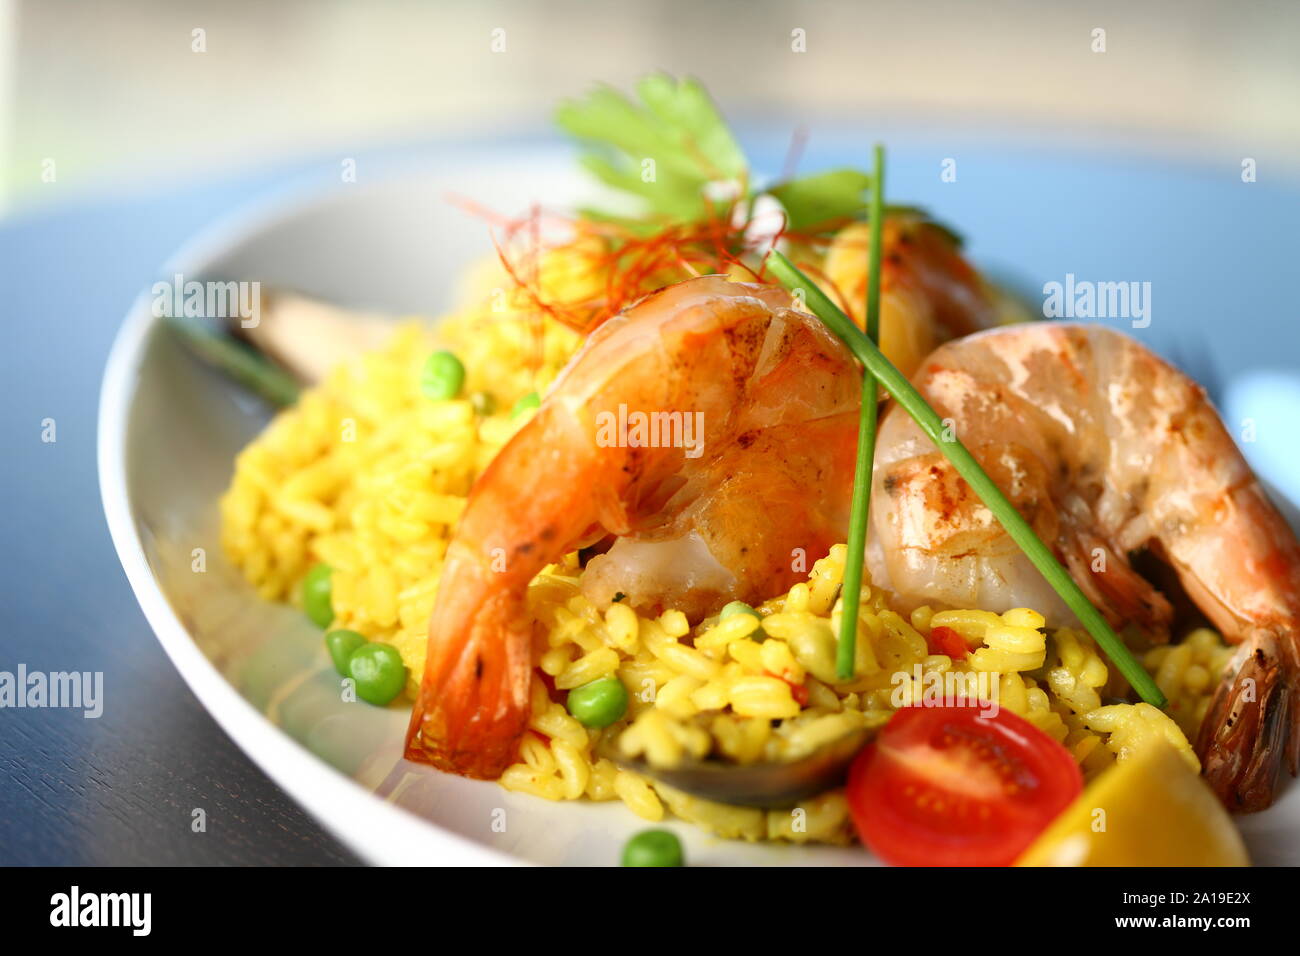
[860,506]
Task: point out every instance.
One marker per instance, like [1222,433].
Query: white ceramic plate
[169,432]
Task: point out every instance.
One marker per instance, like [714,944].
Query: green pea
[599,703]
[484,403]
[653,848]
[531,400]
[341,644]
[442,377]
[740,607]
[378,672]
[317,595]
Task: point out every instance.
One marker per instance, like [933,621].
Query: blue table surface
[122,788]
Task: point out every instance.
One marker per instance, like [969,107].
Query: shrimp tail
[473,705]
[1251,732]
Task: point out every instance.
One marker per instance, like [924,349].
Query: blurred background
[129,94]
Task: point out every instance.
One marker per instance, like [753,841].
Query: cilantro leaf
[665,149]
[822,198]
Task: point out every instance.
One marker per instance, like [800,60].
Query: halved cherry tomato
[944,640]
[945,786]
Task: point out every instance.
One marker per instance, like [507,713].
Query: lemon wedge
[1149,810]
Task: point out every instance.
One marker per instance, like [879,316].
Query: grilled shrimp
[1108,451]
[757,463]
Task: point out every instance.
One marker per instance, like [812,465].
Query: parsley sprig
[670,151]
[667,150]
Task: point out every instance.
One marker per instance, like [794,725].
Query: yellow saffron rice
[369,476]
